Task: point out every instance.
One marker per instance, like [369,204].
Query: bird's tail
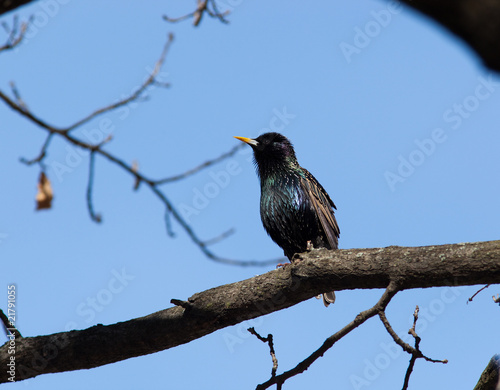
[328,298]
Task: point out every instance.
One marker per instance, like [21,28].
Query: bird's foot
[281,265]
[309,246]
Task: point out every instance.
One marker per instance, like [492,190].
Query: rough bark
[210,310]
[490,378]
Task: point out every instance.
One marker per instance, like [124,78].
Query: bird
[295,209]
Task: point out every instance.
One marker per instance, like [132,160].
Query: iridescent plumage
[295,209]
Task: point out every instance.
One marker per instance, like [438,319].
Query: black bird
[295,209]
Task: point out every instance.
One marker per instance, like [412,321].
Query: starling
[295,209]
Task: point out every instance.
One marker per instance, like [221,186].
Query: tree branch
[9,5]
[477,22]
[272,352]
[97,149]
[380,306]
[203,7]
[415,352]
[15,34]
[490,378]
[203,313]
[477,292]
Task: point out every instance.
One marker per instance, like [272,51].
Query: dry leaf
[44,196]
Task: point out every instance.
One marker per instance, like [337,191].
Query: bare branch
[490,377]
[15,34]
[19,100]
[21,108]
[406,347]
[220,237]
[216,308]
[202,166]
[134,96]
[170,210]
[269,341]
[390,291]
[477,292]
[203,6]
[95,217]
[417,353]
[42,155]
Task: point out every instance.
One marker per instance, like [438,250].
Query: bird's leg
[309,246]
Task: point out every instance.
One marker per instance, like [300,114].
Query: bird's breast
[288,215]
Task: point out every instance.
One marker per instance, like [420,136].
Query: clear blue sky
[394,116]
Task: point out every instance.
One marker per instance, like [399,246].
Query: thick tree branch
[477,22]
[490,378]
[205,312]
[9,5]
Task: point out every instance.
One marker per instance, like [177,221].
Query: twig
[203,6]
[200,167]
[134,96]
[220,237]
[64,130]
[417,354]
[17,95]
[95,217]
[43,152]
[414,356]
[16,35]
[269,341]
[168,224]
[477,292]
[390,291]
[405,346]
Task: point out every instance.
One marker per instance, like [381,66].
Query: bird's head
[272,151]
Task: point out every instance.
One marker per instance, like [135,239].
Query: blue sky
[394,116]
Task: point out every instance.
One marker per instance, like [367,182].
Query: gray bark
[311,274]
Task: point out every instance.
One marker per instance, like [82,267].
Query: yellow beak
[249,141]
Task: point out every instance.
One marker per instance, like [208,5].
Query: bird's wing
[324,208]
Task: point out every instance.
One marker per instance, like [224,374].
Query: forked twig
[18,105]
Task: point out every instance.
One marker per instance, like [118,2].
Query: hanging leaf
[44,195]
